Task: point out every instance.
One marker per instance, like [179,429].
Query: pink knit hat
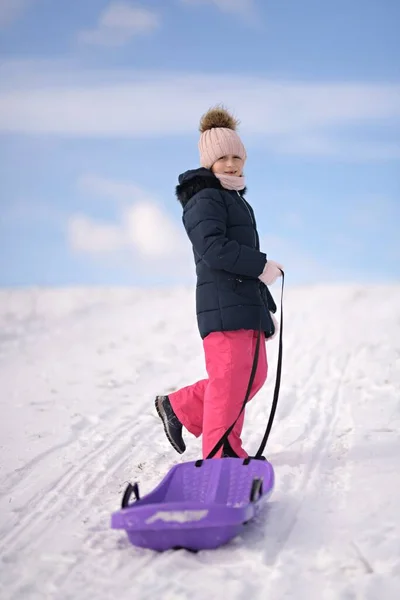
[218,137]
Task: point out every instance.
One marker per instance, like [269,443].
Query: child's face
[229,165]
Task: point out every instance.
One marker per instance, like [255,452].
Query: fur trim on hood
[193,181]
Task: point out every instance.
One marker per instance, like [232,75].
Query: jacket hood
[193,181]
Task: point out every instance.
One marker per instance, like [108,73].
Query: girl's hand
[271,272]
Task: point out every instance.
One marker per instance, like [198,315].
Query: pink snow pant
[210,406]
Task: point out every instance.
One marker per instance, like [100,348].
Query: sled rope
[225,436]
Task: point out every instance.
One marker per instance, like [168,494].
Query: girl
[232,300]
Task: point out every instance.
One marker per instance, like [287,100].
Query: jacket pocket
[267,298]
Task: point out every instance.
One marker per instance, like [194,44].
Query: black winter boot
[172,425]
[228,451]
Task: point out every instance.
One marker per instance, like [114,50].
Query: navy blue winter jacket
[222,229]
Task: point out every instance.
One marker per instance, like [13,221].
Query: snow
[179,516]
[79,369]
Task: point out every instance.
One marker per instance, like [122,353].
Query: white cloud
[93,237]
[11,10]
[240,7]
[330,146]
[117,191]
[143,231]
[119,23]
[287,117]
[152,231]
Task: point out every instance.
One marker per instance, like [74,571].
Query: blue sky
[99,109]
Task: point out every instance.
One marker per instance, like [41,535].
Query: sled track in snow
[77,488]
[320,426]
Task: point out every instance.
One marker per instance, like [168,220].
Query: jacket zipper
[254,227]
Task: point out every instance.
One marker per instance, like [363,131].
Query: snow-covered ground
[78,372]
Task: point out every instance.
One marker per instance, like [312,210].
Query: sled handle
[256,489]
[130,489]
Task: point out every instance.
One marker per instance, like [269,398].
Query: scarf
[231,182]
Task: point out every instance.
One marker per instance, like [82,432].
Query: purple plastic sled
[198,505]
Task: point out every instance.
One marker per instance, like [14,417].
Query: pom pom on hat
[217,117]
[219,137]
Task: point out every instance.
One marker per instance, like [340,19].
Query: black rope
[277,382]
[227,433]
